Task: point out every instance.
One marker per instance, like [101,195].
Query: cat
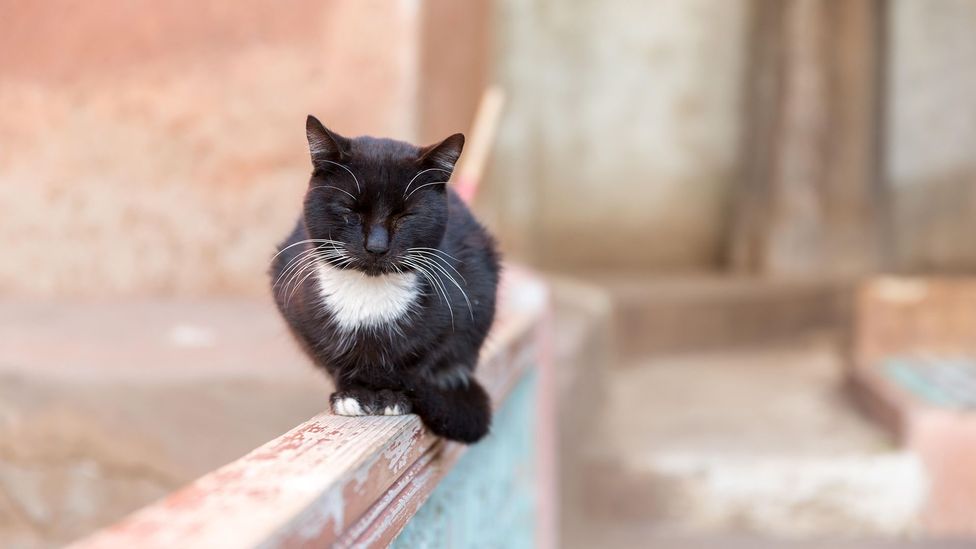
[388,281]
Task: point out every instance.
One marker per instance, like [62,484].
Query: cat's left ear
[443,155]
[324,145]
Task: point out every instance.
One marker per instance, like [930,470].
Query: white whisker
[299,261]
[421,172]
[336,188]
[437,250]
[455,282]
[435,256]
[296,261]
[343,166]
[308,264]
[306,241]
[422,186]
[311,266]
[299,285]
[435,282]
[285,279]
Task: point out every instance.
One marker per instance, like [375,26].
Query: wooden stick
[480,142]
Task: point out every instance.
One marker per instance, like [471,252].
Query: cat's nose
[378,240]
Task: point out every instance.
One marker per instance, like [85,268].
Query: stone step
[776,496]
[656,315]
[749,442]
[642,537]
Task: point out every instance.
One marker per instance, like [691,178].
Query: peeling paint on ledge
[314,484]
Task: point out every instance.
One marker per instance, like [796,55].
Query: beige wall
[620,142]
[158,147]
[455,58]
[623,136]
[931,160]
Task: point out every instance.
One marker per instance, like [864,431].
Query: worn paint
[397,453]
[488,499]
[401,509]
[354,534]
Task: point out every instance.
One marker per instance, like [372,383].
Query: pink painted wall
[158,147]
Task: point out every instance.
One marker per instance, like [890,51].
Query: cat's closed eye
[347,215]
[400,219]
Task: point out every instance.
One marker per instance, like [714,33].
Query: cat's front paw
[347,403]
[363,402]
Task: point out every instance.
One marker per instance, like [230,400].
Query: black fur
[424,360]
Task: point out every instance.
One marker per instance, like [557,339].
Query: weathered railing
[372,481]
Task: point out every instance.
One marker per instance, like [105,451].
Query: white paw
[347,406]
[393,410]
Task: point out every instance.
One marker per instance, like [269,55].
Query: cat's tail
[462,413]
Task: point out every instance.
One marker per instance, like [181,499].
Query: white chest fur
[357,301]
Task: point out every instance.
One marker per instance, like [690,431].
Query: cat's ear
[443,155]
[324,144]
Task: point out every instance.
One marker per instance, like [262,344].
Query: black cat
[388,281]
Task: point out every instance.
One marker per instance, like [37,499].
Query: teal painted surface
[488,499]
[948,382]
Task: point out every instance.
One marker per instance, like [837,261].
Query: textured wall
[931,158]
[620,142]
[158,147]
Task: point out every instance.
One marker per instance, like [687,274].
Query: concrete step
[655,315]
[749,442]
[781,497]
[643,537]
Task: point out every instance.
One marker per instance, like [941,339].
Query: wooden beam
[812,202]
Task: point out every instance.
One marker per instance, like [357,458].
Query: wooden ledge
[334,480]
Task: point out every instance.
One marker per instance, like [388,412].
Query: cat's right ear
[324,145]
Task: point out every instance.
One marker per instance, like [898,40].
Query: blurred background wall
[931,160]
[621,142]
[157,148]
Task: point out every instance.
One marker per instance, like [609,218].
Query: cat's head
[372,202]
